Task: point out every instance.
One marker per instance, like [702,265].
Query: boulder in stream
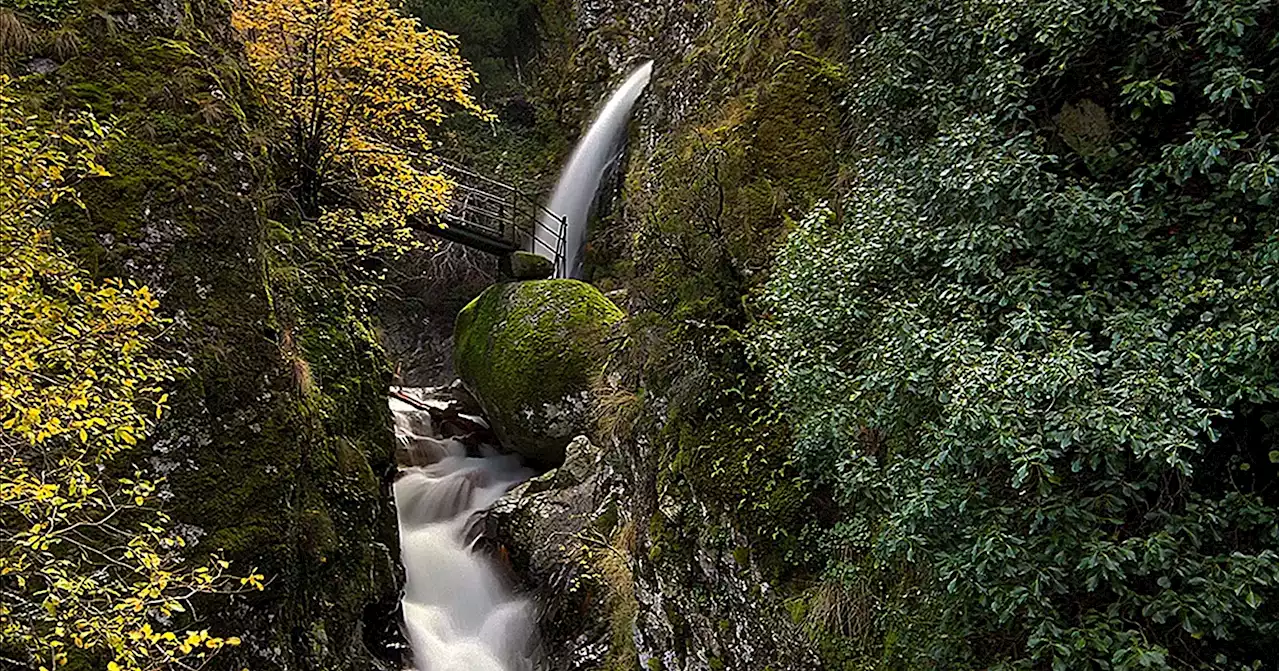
[528,352]
[528,266]
[569,552]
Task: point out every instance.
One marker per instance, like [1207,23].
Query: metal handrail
[505,214]
[459,168]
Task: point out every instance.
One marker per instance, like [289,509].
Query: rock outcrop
[528,266]
[570,553]
[277,451]
[529,352]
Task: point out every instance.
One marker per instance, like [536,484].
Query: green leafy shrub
[50,11]
[1032,350]
[495,34]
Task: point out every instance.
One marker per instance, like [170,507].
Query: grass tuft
[65,45]
[15,37]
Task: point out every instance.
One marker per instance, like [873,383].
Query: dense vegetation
[1031,349]
[357,91]
[1005,397]
[494,35]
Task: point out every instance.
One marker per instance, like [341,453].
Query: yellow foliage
[361,89]
[86,562]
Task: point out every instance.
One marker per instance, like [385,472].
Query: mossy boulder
[528,266]
[528,351]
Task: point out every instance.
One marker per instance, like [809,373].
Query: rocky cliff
[683,537]
[278,449]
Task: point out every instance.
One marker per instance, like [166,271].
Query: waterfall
[580,179]
[458,614]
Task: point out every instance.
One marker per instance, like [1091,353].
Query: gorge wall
[680,518]
[982,135]
[277,450]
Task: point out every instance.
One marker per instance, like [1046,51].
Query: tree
[88,565]
[494,34]
[359,89]
[1033,353]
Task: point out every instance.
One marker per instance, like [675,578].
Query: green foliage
[46,10]
[281,419]
[494,34]
[1032,349]
[88,563]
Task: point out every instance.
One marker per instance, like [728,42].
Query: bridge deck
[497,218]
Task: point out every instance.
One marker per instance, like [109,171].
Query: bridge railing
[546,236]
[502,213]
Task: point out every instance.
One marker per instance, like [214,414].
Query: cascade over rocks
[529,351]
[457,612]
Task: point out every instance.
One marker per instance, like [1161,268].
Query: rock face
[529,351]
[277,450]
[571,554]
[604,603]
[418,314]
[737,134]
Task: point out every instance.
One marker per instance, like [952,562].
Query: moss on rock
[529,351]
[528,266]
[277,450]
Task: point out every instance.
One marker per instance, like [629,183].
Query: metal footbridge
[497,218]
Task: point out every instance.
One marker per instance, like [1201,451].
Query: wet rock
[425,450]
[529,352]
[41,66]
[448,413]
[557,534]
[529,266]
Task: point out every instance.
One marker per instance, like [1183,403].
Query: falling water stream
[580,179]
[458,614]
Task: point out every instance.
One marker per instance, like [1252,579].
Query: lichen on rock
[275,451]
[571,554]
[529,351]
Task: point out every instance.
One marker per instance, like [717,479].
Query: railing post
[515,209]
[563,247]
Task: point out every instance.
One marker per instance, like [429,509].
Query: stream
[458,614]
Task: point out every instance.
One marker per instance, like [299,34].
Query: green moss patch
[529,352]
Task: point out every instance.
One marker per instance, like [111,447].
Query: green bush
[1032,349]
[48,11]
[494,34]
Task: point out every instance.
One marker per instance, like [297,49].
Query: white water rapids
[458,614]
[580,179]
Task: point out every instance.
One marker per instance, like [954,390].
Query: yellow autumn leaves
[360,89]
[86,561]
